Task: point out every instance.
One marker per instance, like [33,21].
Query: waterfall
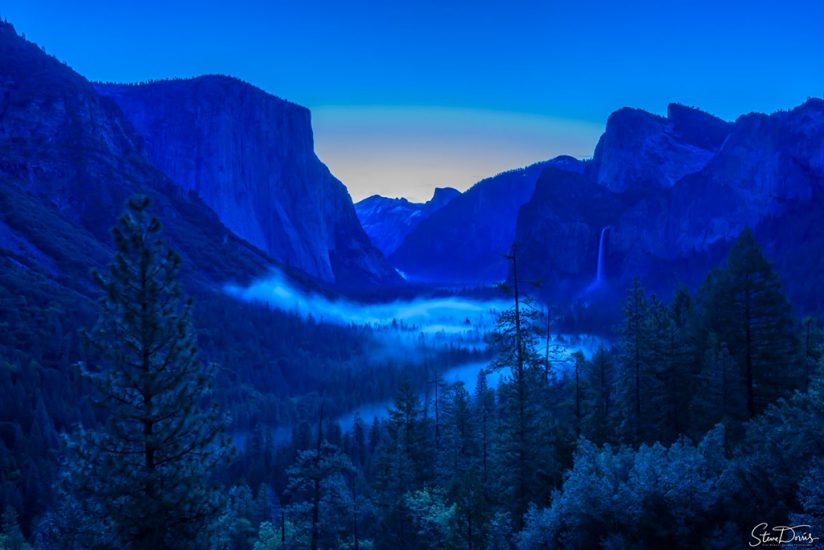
[599,273]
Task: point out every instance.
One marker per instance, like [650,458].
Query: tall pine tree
[403,464]
[748,312]
[148,469]
[521,428]
[634,372]
[600,374]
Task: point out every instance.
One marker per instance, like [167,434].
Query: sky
[407,96]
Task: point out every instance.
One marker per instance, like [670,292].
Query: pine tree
[579,380]
[681,361]
[403,464]
[660,415]
[745,308]
[359,451]
[408,437]
[719,396]
[148,469]
[600,374]
[11,538]
[320,495]
[459,464]
[554,352]
[521,437]
[484,415]
[812,348]
[634,345]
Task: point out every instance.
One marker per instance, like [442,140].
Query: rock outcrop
[388,221]
[675,192]
[639,150]
[69,161]
[250,157]
[463,242]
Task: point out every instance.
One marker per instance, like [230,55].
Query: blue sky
[409,95]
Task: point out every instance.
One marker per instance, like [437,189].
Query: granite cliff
[463,242]
[69,161]
[388,221]
[674,193]
[250,157]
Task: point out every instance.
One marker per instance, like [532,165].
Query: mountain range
[231,171]
[234,176]
[463,242]
[673,192]
[661,199]
[388,221]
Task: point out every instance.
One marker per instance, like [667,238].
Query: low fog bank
[562,360]
[408,325]
[412,328]
[447,316]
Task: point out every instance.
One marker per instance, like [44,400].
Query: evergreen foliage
[149,469]
[744,308]
[650,443]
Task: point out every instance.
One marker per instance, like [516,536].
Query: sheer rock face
[559,228]
[675,191]
[388,221]
[464,241]
[766,162]
[250,157]
[640,150]
[69,161]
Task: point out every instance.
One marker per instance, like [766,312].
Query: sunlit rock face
[388,221]
[250,157]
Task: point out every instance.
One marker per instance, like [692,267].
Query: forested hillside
[205,345]
[673,437]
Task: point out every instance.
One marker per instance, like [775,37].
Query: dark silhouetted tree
[149,469]
[600,375]
[746,310]
[10,537]
[634,364]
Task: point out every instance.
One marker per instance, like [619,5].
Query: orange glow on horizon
[408,151]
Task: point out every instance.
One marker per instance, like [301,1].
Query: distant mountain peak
[442,196]
[463,241]
[388,221]
[640,150]
[816,103]
[697,127]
